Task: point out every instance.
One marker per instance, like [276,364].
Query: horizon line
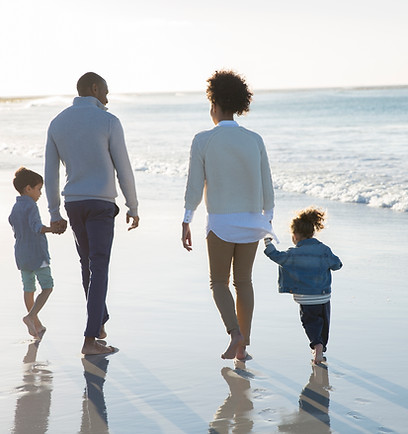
[16,98]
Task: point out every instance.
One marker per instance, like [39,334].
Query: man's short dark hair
[85,83]
[24,177]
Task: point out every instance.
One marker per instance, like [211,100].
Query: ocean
[345,149]
[347,145]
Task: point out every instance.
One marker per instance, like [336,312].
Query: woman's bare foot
[242,354]
[318,354]
[31,326]
[236,340]
[92,347]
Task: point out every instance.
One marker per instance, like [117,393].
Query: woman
[230,165]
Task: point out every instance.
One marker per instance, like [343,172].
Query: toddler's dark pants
[316,322]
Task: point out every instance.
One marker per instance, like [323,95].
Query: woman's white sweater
[231,167]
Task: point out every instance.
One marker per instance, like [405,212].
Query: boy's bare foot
[102,334]
[92,347]
[236,341]
[31,326]
[318,354]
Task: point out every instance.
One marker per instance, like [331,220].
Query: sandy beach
[168,376]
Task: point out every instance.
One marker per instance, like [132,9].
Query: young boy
[31,247]
[305,272]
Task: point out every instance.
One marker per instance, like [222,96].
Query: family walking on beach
[228,165]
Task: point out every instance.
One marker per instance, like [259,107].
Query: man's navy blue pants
[92,222]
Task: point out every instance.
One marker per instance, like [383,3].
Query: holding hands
[267,241]
[59,226]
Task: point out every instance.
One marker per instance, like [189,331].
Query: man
[90,143]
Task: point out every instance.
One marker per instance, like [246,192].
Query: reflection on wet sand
[313,415]
[33,405]
[234,415]
[94,411]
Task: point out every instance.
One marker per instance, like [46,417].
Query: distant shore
[21,98]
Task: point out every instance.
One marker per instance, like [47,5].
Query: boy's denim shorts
[43,276]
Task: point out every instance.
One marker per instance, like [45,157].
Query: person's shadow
[313,415]
[34,402]
[94,411]
[234,415]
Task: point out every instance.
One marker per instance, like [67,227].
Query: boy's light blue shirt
[31,246]
[306,268]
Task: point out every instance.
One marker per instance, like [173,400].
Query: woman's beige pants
[220,256]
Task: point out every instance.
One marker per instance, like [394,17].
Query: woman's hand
[186,237]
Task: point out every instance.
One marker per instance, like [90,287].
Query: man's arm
[51,178]
[58,225]
[120,158]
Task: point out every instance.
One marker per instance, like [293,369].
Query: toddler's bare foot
[318,354]
[41,332]
[31,326]
[92,347]
[236,340]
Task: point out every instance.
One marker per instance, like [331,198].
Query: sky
[174,46]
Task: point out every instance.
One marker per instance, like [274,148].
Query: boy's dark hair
[85,82]
[308,221]
[24,177]
[230,91]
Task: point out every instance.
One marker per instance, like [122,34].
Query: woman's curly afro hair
[230,91]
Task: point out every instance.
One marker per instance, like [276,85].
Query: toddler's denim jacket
[305,268]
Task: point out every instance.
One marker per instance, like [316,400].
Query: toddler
[305,272]
[31,247]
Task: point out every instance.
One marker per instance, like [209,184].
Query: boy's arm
[34,219]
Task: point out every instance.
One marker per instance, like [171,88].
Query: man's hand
[59,226]
[135,221]
[186,237]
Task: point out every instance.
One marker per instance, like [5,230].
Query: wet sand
[168,376]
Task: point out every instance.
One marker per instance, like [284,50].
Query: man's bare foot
[92,347]
[31,326]
[318,354]
[102,334]
[236,341]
